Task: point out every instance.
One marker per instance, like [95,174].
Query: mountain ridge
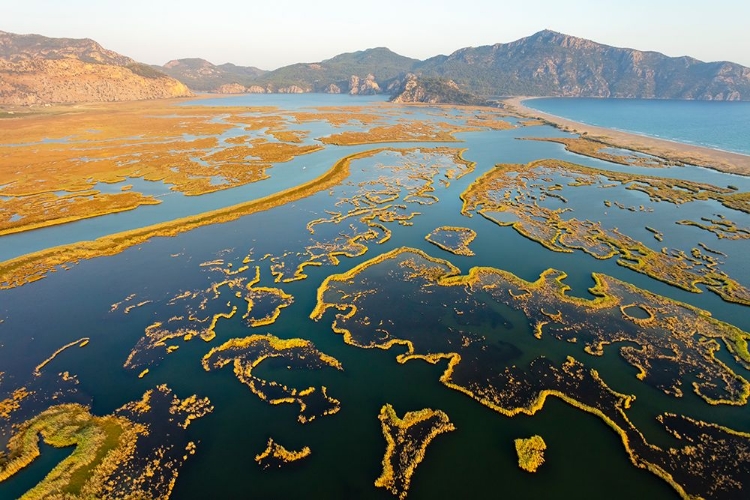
[546,63]
[338,71]
[35,69]
[203,76]
[553,63]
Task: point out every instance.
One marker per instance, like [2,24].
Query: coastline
[723,161]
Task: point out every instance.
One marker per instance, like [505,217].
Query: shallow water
[585,458]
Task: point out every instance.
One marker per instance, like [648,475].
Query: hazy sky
[273,33]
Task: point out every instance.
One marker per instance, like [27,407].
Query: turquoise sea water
[718,125]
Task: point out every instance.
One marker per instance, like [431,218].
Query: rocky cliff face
[353,85]
[430,90]
[236,88]
[231,88]
[332,89]
[364,86]
[292,89]
[256,89]
[39,70]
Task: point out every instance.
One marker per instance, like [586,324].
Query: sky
[270,33]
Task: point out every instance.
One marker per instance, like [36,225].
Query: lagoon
[150,307]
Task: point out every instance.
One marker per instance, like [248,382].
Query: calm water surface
[715,124]
[585,459]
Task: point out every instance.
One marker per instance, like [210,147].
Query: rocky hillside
[35,70]
[38,70]
[202,76]
[364,72]
[550,63]
[546,63]
[431,90]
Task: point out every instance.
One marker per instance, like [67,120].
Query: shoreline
[701,156]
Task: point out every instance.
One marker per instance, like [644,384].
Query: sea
[723,125]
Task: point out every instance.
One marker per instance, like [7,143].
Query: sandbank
[723,161]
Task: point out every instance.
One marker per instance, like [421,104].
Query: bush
[145,70]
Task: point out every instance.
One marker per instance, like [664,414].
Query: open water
[585,458]
[714,124]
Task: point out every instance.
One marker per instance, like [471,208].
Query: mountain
[362,72]
[36,70]
[431,90]
[546,63]
[550,63]
[201,75]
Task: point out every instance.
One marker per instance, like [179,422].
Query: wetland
[332,297]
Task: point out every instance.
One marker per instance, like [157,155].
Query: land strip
[723,161]
[35,266]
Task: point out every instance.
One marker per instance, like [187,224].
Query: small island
[407,440]
[276,455]
[245,354]
[530,452]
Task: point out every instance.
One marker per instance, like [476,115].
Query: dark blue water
[715,124]
[585,458]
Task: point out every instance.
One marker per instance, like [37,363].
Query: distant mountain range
[35,69]
[546,63]
[202,76]
[38,70]
[355,72]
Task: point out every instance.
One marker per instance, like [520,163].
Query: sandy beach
[723,161]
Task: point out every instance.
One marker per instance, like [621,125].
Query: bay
[714,124]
